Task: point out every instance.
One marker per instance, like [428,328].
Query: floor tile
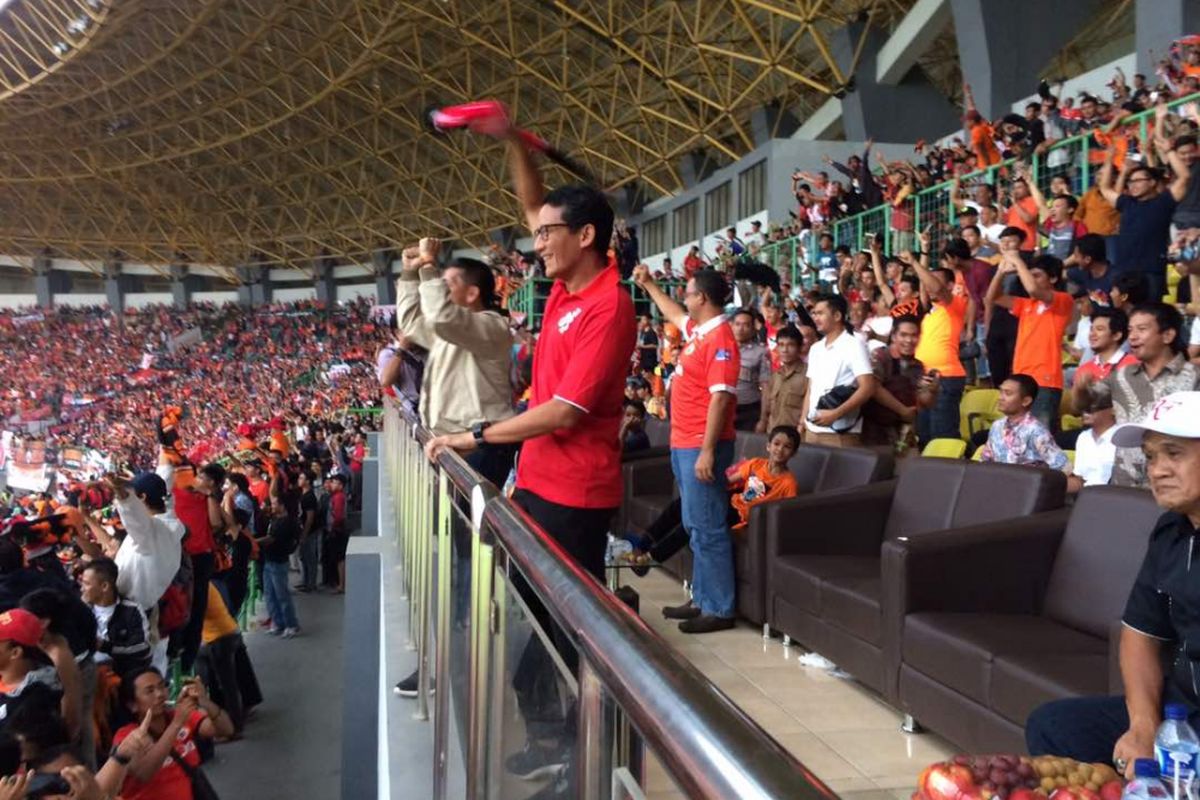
[818,756]
[888,754]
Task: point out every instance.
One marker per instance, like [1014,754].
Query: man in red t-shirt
[703,400]
[198,507]
[569,473]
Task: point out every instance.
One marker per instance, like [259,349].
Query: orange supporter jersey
[757,485]
[709,363]
[984,145]
[1040,328]
[940,332]
[1014,219]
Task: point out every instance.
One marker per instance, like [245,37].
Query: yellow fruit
[1061,781]
[1075,779]
[1048,784]
[1095,787]
[1085,770]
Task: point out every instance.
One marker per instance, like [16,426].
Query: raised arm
[1179,184]
[528,181]
[1034,192]
[932,284]
[995,297]
[1104,182]
[672,312]
[889,296]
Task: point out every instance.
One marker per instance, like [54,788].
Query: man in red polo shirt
[569,472]
[703,400]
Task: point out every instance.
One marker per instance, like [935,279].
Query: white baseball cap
[1174,415]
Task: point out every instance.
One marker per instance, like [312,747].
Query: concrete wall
[215,297]
[354,290]
[292,295]
[143,299]
[81,299]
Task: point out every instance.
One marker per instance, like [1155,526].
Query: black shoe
[537,761]
[685,611]
[408,687]
[707,623]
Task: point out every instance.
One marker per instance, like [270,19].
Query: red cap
[18,625]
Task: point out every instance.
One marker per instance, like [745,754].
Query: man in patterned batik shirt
[1020,437]
[1156,339]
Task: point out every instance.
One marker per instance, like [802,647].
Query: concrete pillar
[381,268]
[255,287]
[910,109]
[43,270]
[370,497]
[1002,47]
[695,166]
[772,121]
[1159,22]
[181,293]
[326,285]
[114,288]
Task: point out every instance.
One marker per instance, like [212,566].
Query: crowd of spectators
[232,463]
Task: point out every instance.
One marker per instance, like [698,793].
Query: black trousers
[224,666]
[233,583]
[668,536]
[746,416]
[582,532]
[187,639]
[1001,342]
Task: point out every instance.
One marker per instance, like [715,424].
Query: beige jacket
[468,370]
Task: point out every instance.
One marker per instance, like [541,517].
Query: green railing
[531,298]
[1078,159]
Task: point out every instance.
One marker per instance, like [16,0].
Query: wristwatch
[117,757]
[477,431]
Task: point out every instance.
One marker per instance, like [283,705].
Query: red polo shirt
[192,510]
[582,358]
[709,363]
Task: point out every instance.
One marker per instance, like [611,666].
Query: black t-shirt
[1164,603]
[648,349]
[309,502]
[285,533]
[1145,233]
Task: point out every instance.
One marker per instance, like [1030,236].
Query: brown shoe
[707,623]
[685,611]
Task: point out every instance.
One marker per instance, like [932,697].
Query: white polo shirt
[834,363]
[1094,457]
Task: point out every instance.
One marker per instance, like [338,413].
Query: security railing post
[594,742]
[425,534]
[441,669]
[480,660]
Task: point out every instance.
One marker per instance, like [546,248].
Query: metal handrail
[708,745]
[711,748]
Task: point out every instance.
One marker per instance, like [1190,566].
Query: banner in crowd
[189,337]
[31,478]
[28,319]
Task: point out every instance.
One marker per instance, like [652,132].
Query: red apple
[1026,794]
[1111,790]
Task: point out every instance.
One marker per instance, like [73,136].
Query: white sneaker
[290,633]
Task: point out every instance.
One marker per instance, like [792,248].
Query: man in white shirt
[839,370]
[1094,450]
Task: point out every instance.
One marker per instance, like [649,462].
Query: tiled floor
[844,733]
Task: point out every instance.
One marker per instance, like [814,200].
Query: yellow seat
[978,411]
[945,448]
[1070,422]
[1070,460]
[977,455]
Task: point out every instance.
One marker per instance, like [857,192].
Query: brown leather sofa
[826,580]
[650,488]
[997,619]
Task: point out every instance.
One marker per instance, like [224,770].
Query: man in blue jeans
[703,401]
[282,536]
[1159,663]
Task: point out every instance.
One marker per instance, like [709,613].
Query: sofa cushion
[1021,682]
[852,604]
[958,649]
[1101,551]
[644,509]
[798,578]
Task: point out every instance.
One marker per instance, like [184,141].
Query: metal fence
[465,552]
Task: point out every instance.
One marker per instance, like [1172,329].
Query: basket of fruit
[1012,777]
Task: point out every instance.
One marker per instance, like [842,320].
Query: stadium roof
[236,131]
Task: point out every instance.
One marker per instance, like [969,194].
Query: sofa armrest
[648,476]
[845,522]
[1002,566]
[1116,686]
[650,452]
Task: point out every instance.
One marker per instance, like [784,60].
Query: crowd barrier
[530,299]
[464,550]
